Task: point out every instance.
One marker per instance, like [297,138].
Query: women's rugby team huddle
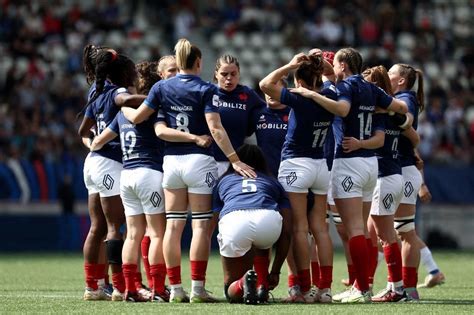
[166,145]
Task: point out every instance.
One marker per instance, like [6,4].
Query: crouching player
[254,215]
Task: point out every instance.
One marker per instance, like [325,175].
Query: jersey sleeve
[89,112]
[382,99]
[344,91]
[410,103]
[257,105]
[154,97]
[118,91]
[160,116]
[211,99]
[330,92]
[293,100]
[114,125]
[378,122]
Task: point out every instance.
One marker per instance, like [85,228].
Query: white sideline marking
[42,296]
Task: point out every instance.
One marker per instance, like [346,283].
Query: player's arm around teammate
[353,183]
[303,167]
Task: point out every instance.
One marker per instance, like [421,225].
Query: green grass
[53,283]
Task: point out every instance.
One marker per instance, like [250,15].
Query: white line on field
[41,296]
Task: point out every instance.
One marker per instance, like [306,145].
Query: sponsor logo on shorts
[210,179]
[387,201]
[291,178]
[347,183]
[155,199]
[108,182]
[408,189]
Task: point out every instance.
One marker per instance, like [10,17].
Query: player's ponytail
[420,94]
[378,75]
[186,54]
[311,71]
[410,74]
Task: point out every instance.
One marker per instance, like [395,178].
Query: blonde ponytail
[186,54]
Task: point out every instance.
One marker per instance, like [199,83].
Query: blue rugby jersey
[183,101]
[387,156]
[405,147]
[333,132]
[140,145]
[308,126]
[363,97]
[103,110]
[233,192]
[270,130]
[237,109]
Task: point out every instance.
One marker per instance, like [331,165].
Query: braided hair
[119,69]
[89,60]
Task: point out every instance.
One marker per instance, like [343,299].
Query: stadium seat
[432,69]
[257,41]
[219,41]
[249,56]
[276,40]
[286,53]
[239,41]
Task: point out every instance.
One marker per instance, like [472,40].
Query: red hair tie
[114,54]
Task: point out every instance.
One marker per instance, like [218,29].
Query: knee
[135,235]
[97,231]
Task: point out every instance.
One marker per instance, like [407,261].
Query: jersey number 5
[248,185]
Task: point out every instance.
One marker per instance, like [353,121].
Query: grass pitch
[53,283]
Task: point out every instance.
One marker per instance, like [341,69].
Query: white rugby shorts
[240,230]
[297,175]
[90,186]
[196,172]
[141,191]
[354,177]
[411,184]
[329,198]
[222,167]
[103,175]
[387,195]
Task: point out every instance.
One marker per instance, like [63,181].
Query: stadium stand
[43,85]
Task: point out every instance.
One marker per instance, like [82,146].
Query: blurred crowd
[43,86]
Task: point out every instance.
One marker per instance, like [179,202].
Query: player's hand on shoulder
[301,91]
[244,170]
